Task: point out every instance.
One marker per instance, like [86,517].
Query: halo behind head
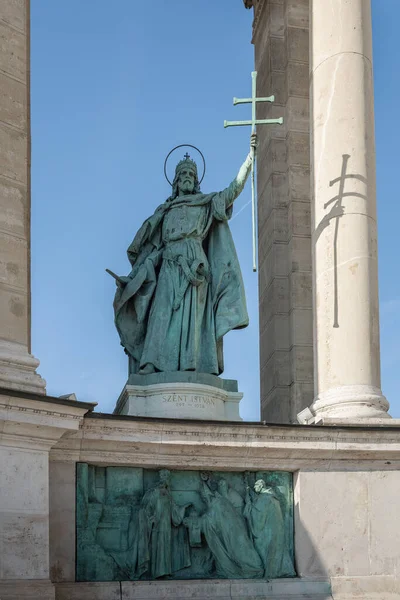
[185,161]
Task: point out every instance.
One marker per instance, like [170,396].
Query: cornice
[37,424]
[89,406]
[237,446]
[258,7]
[258,13]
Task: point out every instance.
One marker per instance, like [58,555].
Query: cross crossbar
[259,122]
[248,100]
[253,122]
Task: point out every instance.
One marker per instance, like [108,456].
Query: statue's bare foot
[147,369]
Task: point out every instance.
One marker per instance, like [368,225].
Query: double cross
[253,101]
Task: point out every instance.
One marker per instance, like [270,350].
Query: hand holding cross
[253,144]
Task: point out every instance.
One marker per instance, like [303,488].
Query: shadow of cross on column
[336,212]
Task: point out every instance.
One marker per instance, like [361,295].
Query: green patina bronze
[185,289]
[229,385]
[135,523]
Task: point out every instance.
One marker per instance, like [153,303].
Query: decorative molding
[40,411]
[259,9]
[36,424]
[60,400]
[184,444]
[279,589]
[257,6]
[18,368]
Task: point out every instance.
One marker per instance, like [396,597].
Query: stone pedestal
[344,231]
[181,395]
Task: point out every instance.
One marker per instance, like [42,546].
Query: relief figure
[226,536]
[163,546]
[264,515]
[231,495]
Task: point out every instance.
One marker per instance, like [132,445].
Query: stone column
[344,232]
[17,365]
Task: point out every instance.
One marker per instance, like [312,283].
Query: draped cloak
[227,538]
[163,546]
[267,526]
[185,290]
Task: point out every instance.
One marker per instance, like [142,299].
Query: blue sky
[114,88]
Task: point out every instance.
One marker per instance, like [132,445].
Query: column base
[18,369]
[349,402]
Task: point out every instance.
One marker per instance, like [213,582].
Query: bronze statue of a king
[185,290]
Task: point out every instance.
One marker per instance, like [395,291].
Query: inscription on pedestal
[180,399]
[199,401]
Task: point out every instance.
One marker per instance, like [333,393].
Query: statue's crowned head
[186,180]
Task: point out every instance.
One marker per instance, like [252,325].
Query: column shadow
[336,212]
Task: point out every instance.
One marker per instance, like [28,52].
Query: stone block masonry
[280,38]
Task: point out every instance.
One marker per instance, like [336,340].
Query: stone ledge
[234,446]
[50,399]
[354,422]
[375,587]
[39,422]
[221,589]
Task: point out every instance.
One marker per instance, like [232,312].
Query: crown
[186,162]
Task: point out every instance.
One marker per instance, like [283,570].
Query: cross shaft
[253,122]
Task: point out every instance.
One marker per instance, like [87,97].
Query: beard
[187,187]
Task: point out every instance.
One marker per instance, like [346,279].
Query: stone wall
[345,498]
[348,515]
[280,37]
[29,427]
